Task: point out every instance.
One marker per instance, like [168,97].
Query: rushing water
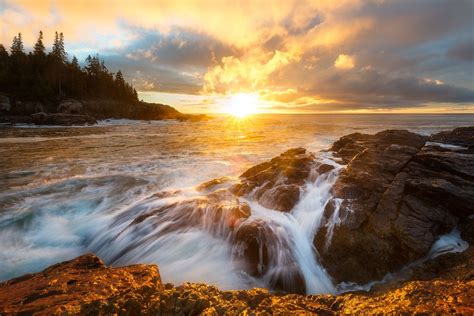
[68,191]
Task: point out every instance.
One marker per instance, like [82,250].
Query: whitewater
[69,191]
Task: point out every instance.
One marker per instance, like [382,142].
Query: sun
[243,104]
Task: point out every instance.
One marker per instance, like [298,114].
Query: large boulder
[68,287]
[276,184]
[266,254]
[70,107]
[394,198]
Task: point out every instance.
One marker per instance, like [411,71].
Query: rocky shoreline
[396,194]
[71,112]
[86,286]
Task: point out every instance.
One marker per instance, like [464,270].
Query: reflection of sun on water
[242,104]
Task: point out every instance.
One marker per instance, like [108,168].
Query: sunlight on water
[68,191]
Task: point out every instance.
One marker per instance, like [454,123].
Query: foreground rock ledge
[397,194]
[86,286]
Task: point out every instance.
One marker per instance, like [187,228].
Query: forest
[50,76]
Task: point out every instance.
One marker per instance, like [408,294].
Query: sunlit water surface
[69,191]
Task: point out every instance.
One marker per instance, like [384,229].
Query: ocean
[66,191]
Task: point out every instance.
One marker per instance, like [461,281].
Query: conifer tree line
[45,76]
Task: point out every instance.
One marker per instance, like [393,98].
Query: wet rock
[396,197]
[251,243]
[281,198]
[324,168]
[275,183]
[166,194]
[462,136]
[265,254]
[70,107]
[213,184]
[218,212]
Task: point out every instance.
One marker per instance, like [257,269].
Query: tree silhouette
[39,48]
[75,63]
[17,45]
[50,77]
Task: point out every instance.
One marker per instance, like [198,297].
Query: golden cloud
[344,62]
[248,73]
[241,24]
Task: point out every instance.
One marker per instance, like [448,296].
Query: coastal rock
[22,108]
[107,108]
[213,184]
[70,107]
[258,245]
[219,212]
[462,136]
[61,119]
[16,119]
[391,202]
[275,184]
[68,287]
[86,286]
[39,118]
[5,105]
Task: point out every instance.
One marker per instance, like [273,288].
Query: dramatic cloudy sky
[299,56]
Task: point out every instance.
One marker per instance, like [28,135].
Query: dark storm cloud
[463,50]
[372,87]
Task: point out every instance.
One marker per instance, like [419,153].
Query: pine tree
[135,95]
[75,63]
[62,50]
[58,50]
[17,45]
[119,79]
[93,66]
[3,52]
[3,62]
[50,77]
[39,48]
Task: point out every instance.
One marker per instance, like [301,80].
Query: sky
[400,56]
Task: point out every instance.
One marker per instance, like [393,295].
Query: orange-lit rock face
[67,287]
[86,286]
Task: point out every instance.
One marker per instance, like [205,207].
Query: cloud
[463,50]
[250,72]
[344,62]
[305,54]
[370,88]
